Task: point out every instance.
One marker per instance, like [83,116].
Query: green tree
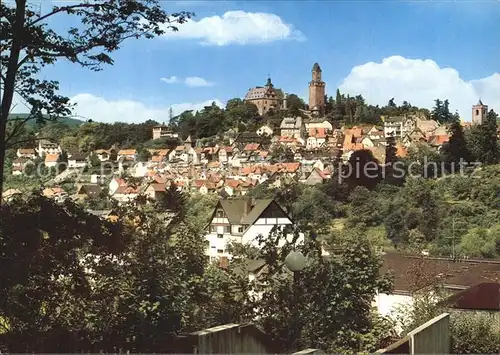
[93,284]
[174,200]
[480,242]
[362,169]
[391,163]
[391,151]
[313,209]
[339,107]
[364,208]
[62,162]
[474,333]
[327,305]
[456,151]
[144,155]
[29,44]
[483,140]
[294,104]
[441,111]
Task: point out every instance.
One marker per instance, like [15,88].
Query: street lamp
[295,261]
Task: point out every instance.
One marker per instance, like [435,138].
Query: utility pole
[453,237]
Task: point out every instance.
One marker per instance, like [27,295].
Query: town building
[26,153]
[479,113]
[317,92]
[163,131]
[292,127]
[242,221]
[77,160]
[265,98]
[48,147]
[51,160]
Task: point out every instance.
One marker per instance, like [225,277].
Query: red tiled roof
[252,146]
[127,152]
[51,158]
[439,139]
[126,190]
[158,187]
[233,183]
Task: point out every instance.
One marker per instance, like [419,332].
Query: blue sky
[460,41]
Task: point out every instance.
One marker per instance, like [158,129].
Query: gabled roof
[89,190]
[462,273]
[237,213]
[481,297]
[78,156]
[126,190]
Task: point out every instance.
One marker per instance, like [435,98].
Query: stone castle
[266,97]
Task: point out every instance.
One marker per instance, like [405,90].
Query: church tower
[317,91]
[479,113]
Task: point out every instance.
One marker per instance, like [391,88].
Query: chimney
[249,202]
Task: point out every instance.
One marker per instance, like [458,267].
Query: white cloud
[195,81]
[170,80]
[236,27]
[102,110]
[191,81]
[420,82]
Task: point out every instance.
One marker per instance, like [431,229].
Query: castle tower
[479,113]
[317,91]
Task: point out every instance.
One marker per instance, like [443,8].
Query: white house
[115,184]
[265,130]
[77,160]
[47,147]
[51,160]
[242,221]
[26,153]
[128,154]
[292,127]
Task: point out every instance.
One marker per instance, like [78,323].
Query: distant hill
[66,120]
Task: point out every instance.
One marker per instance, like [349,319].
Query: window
[227,229]
[220,236]
[212,247]
[220,251]
[220,213]
[213,228]
[240,229]
[477,112]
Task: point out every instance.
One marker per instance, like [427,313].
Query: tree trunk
[9,83]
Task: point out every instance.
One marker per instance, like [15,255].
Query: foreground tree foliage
[73,282]
[76,283]
[328,304]
[29,44]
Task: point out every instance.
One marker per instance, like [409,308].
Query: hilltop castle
[265,98]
